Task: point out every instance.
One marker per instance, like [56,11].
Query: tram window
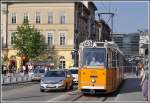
[114,59]
[118,60]
[94,56]
[109,58]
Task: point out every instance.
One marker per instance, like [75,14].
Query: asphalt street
[129,91]
[32,93]
[29,93]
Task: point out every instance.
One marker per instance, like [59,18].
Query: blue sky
[129,16]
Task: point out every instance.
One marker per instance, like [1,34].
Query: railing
[18,78]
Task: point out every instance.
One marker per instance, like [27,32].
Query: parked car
[57,79]
[74,72]
[37,74]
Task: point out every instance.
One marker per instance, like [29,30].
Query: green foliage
[49,55]
[29,41]
[54,55]
[5,60]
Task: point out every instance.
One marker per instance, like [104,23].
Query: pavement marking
[74,92]
[59,98]
[77,97]
[64,96]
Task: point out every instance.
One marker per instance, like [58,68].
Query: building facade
[143,42]
[118,39]
[62,23]
[131,44]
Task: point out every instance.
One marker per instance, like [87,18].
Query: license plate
[50,85]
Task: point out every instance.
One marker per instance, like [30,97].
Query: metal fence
[15,79]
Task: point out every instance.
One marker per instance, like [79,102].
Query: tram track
[101,97]
[78,97]
[104,99]
[82,97]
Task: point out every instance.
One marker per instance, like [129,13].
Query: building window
[13,18]
[25,19]
[62,38]
[12,38]
[62,62]
[50,38]
[50,18]
[38,18]
[62,18]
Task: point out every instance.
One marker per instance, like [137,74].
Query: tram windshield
[94,56]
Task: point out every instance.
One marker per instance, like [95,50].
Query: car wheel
[41,90]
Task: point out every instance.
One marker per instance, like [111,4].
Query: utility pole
[111,15]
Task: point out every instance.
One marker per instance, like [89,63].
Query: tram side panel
[109,79]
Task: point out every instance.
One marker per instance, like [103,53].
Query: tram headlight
[93,81]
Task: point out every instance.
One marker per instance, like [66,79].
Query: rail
[15,79]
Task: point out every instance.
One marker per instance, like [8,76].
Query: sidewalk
[131,90]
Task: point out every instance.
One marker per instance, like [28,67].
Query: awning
[40,63]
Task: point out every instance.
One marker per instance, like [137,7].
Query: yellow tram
[100,67]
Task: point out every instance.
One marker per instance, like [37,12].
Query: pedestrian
[24,69]
[27,69]
[10,70]
[30,67]
[144,81]
[46,69]
[5,69]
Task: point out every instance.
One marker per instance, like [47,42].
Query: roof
[42,63]
[95,8]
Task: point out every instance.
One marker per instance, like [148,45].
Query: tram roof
[106,44]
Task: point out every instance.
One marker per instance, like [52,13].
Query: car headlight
[61,82]
[93,81]
[42,81]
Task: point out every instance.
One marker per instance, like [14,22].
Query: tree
[29,41]
[5,60]
[50,55]
[53,55]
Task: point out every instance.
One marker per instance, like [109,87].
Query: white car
[74,72]
[36,74]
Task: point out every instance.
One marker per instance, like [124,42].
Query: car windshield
[94,56]
[74,71]
[55,74]
[35,70]
[41,71]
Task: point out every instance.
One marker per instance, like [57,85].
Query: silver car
[56,79]
[37,74]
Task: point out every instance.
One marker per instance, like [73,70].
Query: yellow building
[64,25]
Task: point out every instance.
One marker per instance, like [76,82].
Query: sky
[129,16]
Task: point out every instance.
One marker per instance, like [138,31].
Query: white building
[144,40]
